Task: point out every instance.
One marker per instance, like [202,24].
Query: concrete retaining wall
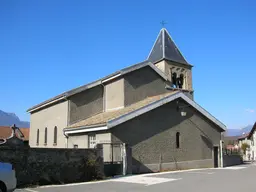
[206,163]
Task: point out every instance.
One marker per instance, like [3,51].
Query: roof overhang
[85,129]
[117,121]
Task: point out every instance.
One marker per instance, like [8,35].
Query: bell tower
[168,58]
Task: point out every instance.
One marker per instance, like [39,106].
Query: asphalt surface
[235,179]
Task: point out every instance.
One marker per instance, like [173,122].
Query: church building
[149,106]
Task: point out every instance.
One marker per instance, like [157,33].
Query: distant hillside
[238,132]
[8,119]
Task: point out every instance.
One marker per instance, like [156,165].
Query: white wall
[248,152]
[253,147]
[56,115]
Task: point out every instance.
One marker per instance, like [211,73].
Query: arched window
[37,137]
[178,140]
[45,136]
[55,136]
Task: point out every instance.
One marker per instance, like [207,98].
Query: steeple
[165,48]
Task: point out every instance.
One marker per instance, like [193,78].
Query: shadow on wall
[207,141]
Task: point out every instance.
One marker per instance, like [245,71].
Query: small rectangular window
[75,146]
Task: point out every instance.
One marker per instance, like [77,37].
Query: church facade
[148,106]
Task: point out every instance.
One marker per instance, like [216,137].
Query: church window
[55,135]
[37,137]
[178,140]
[45,136]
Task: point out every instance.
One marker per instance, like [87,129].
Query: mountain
[8,119]
[238,132]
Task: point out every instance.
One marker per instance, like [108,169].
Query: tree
[244,147]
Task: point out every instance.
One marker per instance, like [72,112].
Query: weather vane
[163,23]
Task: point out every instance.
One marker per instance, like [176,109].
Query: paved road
[235,179]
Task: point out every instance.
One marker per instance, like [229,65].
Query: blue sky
[48,47]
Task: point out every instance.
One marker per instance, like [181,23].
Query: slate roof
[99,81]
[104,117]
[6,132]
[165,48]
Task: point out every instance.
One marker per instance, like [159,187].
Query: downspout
[66,136]
[104,97]
[221,152]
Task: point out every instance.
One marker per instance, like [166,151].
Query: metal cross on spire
[163,23]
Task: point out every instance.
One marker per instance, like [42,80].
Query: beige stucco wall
[80,140]
[103,137]
[55,115]
[161,65]
[114,95]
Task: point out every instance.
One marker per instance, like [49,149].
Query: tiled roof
[6,132]
[104,117]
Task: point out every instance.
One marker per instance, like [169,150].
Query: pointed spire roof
[165,48]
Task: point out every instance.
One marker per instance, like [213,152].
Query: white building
[244,139]
[252,138]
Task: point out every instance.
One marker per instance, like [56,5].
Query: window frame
[92,143]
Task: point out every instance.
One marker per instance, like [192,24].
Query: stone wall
[40,166]
[230,160]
